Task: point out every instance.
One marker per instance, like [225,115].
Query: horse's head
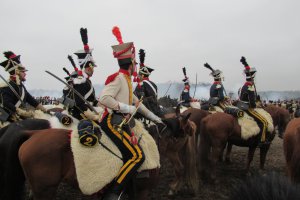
[179,125]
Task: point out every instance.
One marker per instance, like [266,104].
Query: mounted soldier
[82,83]
[217,91]
[117,98]
[185,97]
[14,94]
[248,98]
[145,87]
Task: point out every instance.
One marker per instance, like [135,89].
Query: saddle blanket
[249,126]
[96,166]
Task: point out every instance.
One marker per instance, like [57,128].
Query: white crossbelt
[150,84]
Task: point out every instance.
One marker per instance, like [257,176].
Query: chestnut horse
[44,158]
[180,149]
[280,117]
[218,129]
[7,152]
[291,145]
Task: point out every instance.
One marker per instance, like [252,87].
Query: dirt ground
[229,176]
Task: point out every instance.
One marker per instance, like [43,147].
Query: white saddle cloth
[249,126]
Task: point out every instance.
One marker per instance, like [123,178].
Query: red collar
[146,78]
[217,82]
[248,83]
[124,72]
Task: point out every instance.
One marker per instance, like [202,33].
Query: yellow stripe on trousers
[263,120]
[131,162]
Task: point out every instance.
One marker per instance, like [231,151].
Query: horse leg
[216,151]
[228,152]
[250,158]
[263,154]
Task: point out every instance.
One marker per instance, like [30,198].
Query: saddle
[249,126]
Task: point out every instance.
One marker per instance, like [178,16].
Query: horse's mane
[272,186]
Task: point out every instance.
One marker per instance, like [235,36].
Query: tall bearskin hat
[85,58]
[145,70]
[249,71]
[186,79]
[13,63]
[215,73]
[124,52]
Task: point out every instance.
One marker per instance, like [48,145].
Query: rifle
[75,91]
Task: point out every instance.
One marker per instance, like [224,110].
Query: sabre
[13,90]
[75,91]
[195,86]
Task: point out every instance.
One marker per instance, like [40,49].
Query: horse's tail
[12,180]
[190,162]
[204,148]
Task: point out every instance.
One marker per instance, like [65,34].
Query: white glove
[153,117]
[41,107]
[91,115]
[124,108]
[24,113]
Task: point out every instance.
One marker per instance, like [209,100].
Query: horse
[6,182]
[291,146]
[179,149]
[196,116]
[280,116]
[44,158]
[218,129]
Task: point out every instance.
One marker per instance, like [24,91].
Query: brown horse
[44,158]
[196,116]
[218,129]
[280,117]
[291,145]
[179,149]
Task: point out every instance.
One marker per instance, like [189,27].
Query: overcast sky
[173,33]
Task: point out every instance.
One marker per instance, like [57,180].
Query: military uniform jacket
[217,90]
[118,88]
[248,94]
[185,96]
[84,86]
[147,88]
[9,100]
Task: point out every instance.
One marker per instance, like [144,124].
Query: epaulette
[111,78]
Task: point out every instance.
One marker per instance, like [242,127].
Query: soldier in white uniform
[119,101]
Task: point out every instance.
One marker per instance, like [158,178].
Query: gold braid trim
[128,79]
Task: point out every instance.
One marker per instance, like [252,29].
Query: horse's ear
[177,111]
[187,117]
